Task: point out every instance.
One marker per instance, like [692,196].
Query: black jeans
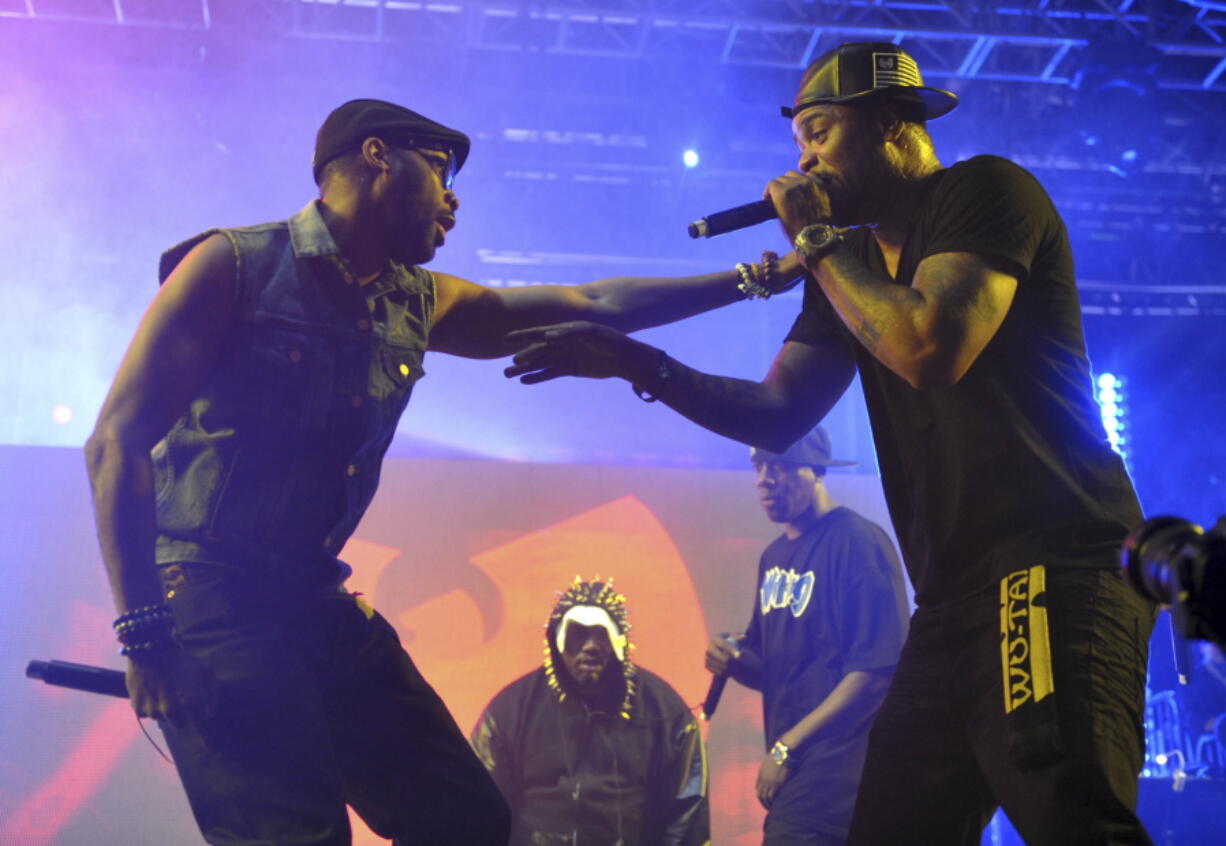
[938,760]
[787,832]
[319,706]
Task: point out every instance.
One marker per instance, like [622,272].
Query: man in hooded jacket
[589,748]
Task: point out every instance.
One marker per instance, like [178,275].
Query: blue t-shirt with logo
[830,602]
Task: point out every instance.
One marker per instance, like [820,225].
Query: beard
[419,256]
[408,235]
[857,200]
[604,687]
[865,187]
[409,247]
[846,206]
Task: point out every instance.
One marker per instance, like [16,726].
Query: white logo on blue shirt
[785,589]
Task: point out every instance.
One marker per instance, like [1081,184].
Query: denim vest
[278,455]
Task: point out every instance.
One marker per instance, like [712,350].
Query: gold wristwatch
[817,240]
[779,753]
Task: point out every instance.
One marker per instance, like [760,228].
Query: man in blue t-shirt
[828,622]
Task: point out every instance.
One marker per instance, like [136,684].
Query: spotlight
[61,414]
[1112,406]
[690,158]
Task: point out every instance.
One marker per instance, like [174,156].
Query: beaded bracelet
[749,285]
[139,615]
[144,629]
[148,647]
[162,630]
[142,619]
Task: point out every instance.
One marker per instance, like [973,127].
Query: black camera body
[1179,564]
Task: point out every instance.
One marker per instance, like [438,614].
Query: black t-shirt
[1009,467]
[829,602]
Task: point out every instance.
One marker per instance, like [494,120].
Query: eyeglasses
[445,170]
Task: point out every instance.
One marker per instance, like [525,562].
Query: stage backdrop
[463,557]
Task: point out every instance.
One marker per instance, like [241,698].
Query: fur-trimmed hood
[591,603]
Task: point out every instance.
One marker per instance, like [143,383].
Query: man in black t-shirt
[829,619]
[951,292]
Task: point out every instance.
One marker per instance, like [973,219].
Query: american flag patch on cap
[895,69]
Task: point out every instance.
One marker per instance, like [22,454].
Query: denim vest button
[351,470]
[295,356]
[356,401]
[363,324]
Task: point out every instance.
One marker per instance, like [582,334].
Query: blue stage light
[690,158]
[1111,403]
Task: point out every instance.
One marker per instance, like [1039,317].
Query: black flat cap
[350,124]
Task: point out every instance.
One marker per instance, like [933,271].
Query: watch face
[823,237]
[779,753]
[815,238]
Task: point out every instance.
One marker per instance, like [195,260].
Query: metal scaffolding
[1062,70]
[1182,42]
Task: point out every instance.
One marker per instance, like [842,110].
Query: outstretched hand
[571,349]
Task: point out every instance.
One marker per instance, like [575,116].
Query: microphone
[79,677]
[732,219]
[716,690]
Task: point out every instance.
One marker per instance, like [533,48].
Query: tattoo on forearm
[714,392]
[868,334]
[721,404]
[960,300]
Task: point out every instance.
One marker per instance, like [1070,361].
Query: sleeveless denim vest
[278,455]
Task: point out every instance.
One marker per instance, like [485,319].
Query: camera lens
[1156,554]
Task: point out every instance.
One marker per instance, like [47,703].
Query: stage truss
[1031,41]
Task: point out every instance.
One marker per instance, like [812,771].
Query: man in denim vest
[235,453]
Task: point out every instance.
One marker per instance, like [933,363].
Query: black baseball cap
[813,450]
[350,124]
[863,69]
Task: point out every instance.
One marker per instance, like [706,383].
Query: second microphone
[732,219]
